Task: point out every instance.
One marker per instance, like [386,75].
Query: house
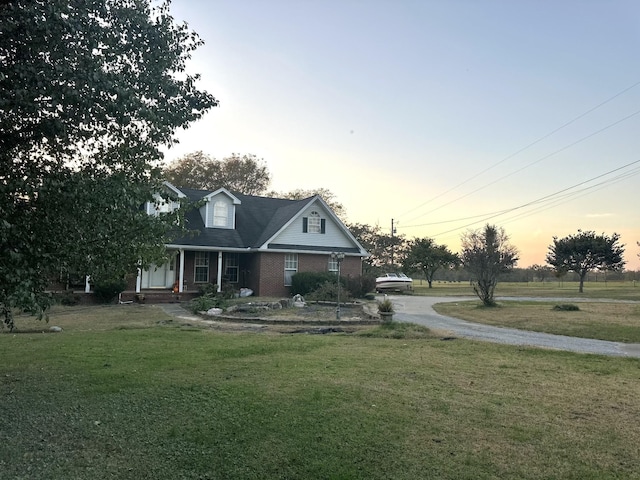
[251,242]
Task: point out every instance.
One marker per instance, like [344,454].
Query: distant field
[127,392]
[614,290]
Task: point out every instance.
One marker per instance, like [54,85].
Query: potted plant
[385,309]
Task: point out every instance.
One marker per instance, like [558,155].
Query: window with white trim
[201,267]
[231,267]
[290,267]
[314,223]
[333,265]
[220,214]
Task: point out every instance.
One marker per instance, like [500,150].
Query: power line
[546,198]
[566,124]
[545,157]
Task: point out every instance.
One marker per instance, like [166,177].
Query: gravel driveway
[418,309]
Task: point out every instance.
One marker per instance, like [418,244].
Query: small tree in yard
[585,252]
[424,255]
[485,255]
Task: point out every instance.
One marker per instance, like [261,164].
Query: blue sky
[442,115]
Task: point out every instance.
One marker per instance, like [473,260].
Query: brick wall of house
[271,275]
[269,269]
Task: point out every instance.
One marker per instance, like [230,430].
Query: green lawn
[613,321]
[125,392]
[615,290]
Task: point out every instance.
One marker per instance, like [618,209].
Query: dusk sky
[441,115]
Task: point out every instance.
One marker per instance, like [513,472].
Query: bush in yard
[360,286]
[328,292]
[304,282]
[68,299]
[566,307]
[106,290]
[205,302]
[210,289]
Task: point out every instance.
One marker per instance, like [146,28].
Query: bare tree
[486,254]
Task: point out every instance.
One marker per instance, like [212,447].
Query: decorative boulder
[213,312]
[298,301]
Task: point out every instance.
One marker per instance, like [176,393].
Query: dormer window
[313,223]
[219,209]
[220,214]
[161,205]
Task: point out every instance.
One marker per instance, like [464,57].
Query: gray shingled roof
[257,220]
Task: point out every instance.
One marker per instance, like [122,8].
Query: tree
[380,246]
[245,174]
[88,93]
[585,252]
[485,255]
[425,255]
[541,272]
[327,195]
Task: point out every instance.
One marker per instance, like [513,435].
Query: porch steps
[157,296]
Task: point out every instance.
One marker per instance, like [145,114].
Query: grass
[125,392]
[618,322]
[618,290]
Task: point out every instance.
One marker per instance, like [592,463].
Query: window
[220,214]
[201,267]
[231,267]
[290,267]
[313,223]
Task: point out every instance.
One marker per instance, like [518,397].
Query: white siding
[334,235]
[161,205]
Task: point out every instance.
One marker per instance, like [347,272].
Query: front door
[159,276]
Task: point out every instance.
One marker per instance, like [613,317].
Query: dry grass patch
[94,318]
[614,321]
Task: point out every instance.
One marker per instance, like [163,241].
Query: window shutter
[305,220]
[323,226]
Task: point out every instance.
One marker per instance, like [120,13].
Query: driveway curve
[419,309]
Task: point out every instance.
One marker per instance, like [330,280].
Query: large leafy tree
[382,248]
[241,173]
[327,195]
[424,255]
[89,90]
[486,254]
[584,252]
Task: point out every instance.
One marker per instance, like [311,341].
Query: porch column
[87,285]
[181,274]
[139,280]
[219,278]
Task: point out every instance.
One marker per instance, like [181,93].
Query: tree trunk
[582,275]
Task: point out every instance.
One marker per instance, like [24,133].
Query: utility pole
[393,231]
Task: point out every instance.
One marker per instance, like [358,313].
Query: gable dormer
[219,209]
[162,201]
